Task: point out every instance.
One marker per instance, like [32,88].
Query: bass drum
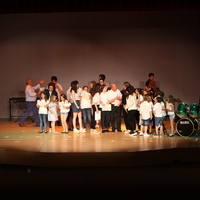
[185,127]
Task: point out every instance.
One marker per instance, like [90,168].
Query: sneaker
[133,133]
[141,134]
[76,130]
[147,135]
[82,130]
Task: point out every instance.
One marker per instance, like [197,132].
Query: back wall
[125,46]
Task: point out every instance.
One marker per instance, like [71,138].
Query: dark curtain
[42,6]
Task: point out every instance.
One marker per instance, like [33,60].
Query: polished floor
[25,146]
[96,166]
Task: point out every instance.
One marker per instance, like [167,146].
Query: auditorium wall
[125,46]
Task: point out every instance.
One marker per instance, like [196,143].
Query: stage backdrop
[125,46]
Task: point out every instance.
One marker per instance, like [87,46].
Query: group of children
[154,110]
[93,106]
[48,109]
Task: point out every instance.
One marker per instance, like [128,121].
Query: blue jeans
[43,122]
[86,116]
[31,108]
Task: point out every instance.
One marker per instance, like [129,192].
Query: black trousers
[105,119]
[93,121]
[125,114]
[131,119]
[116,118]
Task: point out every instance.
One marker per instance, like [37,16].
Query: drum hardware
[186,127]
[187,119]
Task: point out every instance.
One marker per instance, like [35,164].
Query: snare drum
[186,126]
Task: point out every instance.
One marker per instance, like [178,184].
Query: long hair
[64,96]
[126,84]
[96,89]
[74,86]
[130,90]
[52,98]
[45,96]
[93,85]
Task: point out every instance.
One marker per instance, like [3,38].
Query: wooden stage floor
[26,147]
[95,166]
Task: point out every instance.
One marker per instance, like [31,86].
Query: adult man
[58,87]
[31,94]
[150,85]
[115,99]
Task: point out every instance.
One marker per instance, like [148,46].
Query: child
[52,113]
[170,109]
[145,115]
[157,111]
[64,106]
[42,104]
[106,108]
[151,123]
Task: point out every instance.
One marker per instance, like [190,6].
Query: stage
[106,165]
[24,146]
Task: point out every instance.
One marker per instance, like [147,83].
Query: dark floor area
[171,181]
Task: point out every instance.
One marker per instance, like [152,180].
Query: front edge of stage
[107,159]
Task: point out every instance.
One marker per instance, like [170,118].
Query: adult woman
[131,107]
[86,106]
[51,90]
[76,109]
[95,106]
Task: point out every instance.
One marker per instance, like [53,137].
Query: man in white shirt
[31,95]
[115,99]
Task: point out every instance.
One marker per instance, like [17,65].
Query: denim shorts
[158,121]
[172,116]
[74,108]
[64,113]
[145,122]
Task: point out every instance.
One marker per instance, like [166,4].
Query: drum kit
[187,119]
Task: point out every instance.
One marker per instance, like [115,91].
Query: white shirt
[131,102]
[157,108]
[77,95]
[62,106]
[145,109]
[112,94]
[163,111]
[30,92]
[96,99]
[85,99]
[103,98]
[169,106]
[42,103]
